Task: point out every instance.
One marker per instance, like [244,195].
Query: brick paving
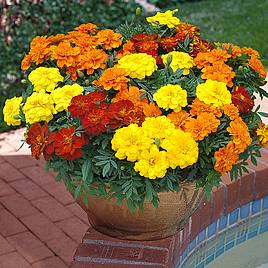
[40,224]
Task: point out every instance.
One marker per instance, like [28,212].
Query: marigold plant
[130,113]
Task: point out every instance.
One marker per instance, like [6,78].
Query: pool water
[236,240]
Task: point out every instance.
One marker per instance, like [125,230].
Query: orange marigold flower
[168,43]
[128,48]
[144,37]
[241,136]
[109,39]
[202,126]
[200,45]
[226,158]
[262,133]
[39,49]
[219,71]
[234,51]
[257,66]
[92,60]
[87,28]
[250,52]
[151,109]
[133,94]
[204,59]
[184,29]
[65,54]
[179,118]
[113,78]
[55,39]
[198,107]
[82,40]
[26,63]
[231,111]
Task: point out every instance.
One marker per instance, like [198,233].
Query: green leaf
[263,114]
[149,190]
[77,191]
[106,169]
[87,174]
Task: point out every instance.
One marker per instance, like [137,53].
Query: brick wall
[100,251]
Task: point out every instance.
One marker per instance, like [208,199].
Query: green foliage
[26,20]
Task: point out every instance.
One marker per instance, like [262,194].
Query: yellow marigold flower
[262,133]
[156,127]
[62,96]
[39,107]
[165,18]
[182,149]
[45,79]
[214,92]
[171,97]
[152,164]
[138,65]
[11,111]
[129,142]
[180,60]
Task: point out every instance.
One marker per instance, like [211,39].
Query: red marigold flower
[67,144]
[242,100]
[124,112]
[168,43]
[144,37]
[82,104]
[149,47]
[200,45]
[184,29]
[95,122]
[38,139]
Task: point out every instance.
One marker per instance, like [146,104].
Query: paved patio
[40,224]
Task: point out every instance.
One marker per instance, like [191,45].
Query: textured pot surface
[154,223]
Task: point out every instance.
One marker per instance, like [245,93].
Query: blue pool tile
[252,234]
[233,217]
[192,245]
[202,236]
[209,259]
[244,211]
[184,254]
[212,228]
[223,222]
[200,265]
[219,252]
[264,228]
[229,245]
[265,202]
[241,240]
[256,206]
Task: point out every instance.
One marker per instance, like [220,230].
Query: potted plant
[139,122]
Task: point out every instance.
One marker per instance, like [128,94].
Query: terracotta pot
[155,223]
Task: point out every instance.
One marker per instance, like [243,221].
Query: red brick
[195,228]
[13,260]
[52,208]
[31,248]
[218,198]
[232,196]
[64,247]
[5,189]
[205,213]
[5,247]
[246,193]
[158,252]
[226,179]
[59,192]
[9,225]
[9,173]
[53,262]
[38,175]
[21,161]
[79,212]
[74,228]
[42,227]
[18,206]
[2,159]
[28,189]
[261,185]
[5,148]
